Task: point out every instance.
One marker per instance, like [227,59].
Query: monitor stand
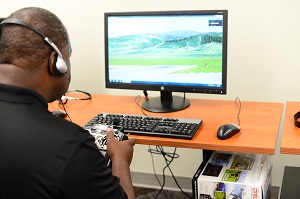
[165,103]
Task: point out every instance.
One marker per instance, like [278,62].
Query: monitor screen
[167,51]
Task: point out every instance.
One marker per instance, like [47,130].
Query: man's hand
[121,153]
[119,150]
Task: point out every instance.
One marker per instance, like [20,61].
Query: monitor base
[157,105]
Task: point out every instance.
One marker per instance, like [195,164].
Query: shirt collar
[16,94]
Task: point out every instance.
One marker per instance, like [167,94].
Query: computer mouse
[227,131]
[59,113]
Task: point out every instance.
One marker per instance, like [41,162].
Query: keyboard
[182,128]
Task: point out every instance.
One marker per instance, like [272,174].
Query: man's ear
[52,62]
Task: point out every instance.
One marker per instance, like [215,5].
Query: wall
[263,57]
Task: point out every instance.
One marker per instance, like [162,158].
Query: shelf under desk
[290,141]
[259,122]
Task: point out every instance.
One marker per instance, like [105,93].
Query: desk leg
[290,183]
[207,153]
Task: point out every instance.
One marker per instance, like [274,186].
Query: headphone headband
[22,23]
[296,117]
[60,66]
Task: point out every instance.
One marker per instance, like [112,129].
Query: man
[43,156]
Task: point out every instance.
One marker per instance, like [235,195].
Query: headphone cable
[63,106]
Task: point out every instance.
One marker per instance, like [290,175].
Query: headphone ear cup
[59,66]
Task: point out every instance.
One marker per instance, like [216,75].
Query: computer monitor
[167,51]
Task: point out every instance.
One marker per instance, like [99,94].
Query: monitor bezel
[169,88]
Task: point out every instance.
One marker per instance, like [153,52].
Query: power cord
[161,189]
[137,101]
[168,157]
[146,94]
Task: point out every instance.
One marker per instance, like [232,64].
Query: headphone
[296,117]
[64,99]
[59,66]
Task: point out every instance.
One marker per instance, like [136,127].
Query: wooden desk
[290,141]
[259,122]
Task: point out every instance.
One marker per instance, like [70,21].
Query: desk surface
[290,141]
[259,122]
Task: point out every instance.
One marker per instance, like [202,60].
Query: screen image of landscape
[162,50]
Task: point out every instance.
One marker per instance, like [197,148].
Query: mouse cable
[240,107]
[168,157]
[62,105]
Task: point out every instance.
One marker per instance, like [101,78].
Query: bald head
[20,42]
[25,55]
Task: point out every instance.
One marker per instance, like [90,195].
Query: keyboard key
[182,128]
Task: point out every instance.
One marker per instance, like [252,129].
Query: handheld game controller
[98,131]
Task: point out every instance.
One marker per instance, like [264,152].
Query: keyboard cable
[160,150]
[168,157]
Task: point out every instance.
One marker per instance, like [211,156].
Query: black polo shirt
[42,156]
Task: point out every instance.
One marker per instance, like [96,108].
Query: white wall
[263,56]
